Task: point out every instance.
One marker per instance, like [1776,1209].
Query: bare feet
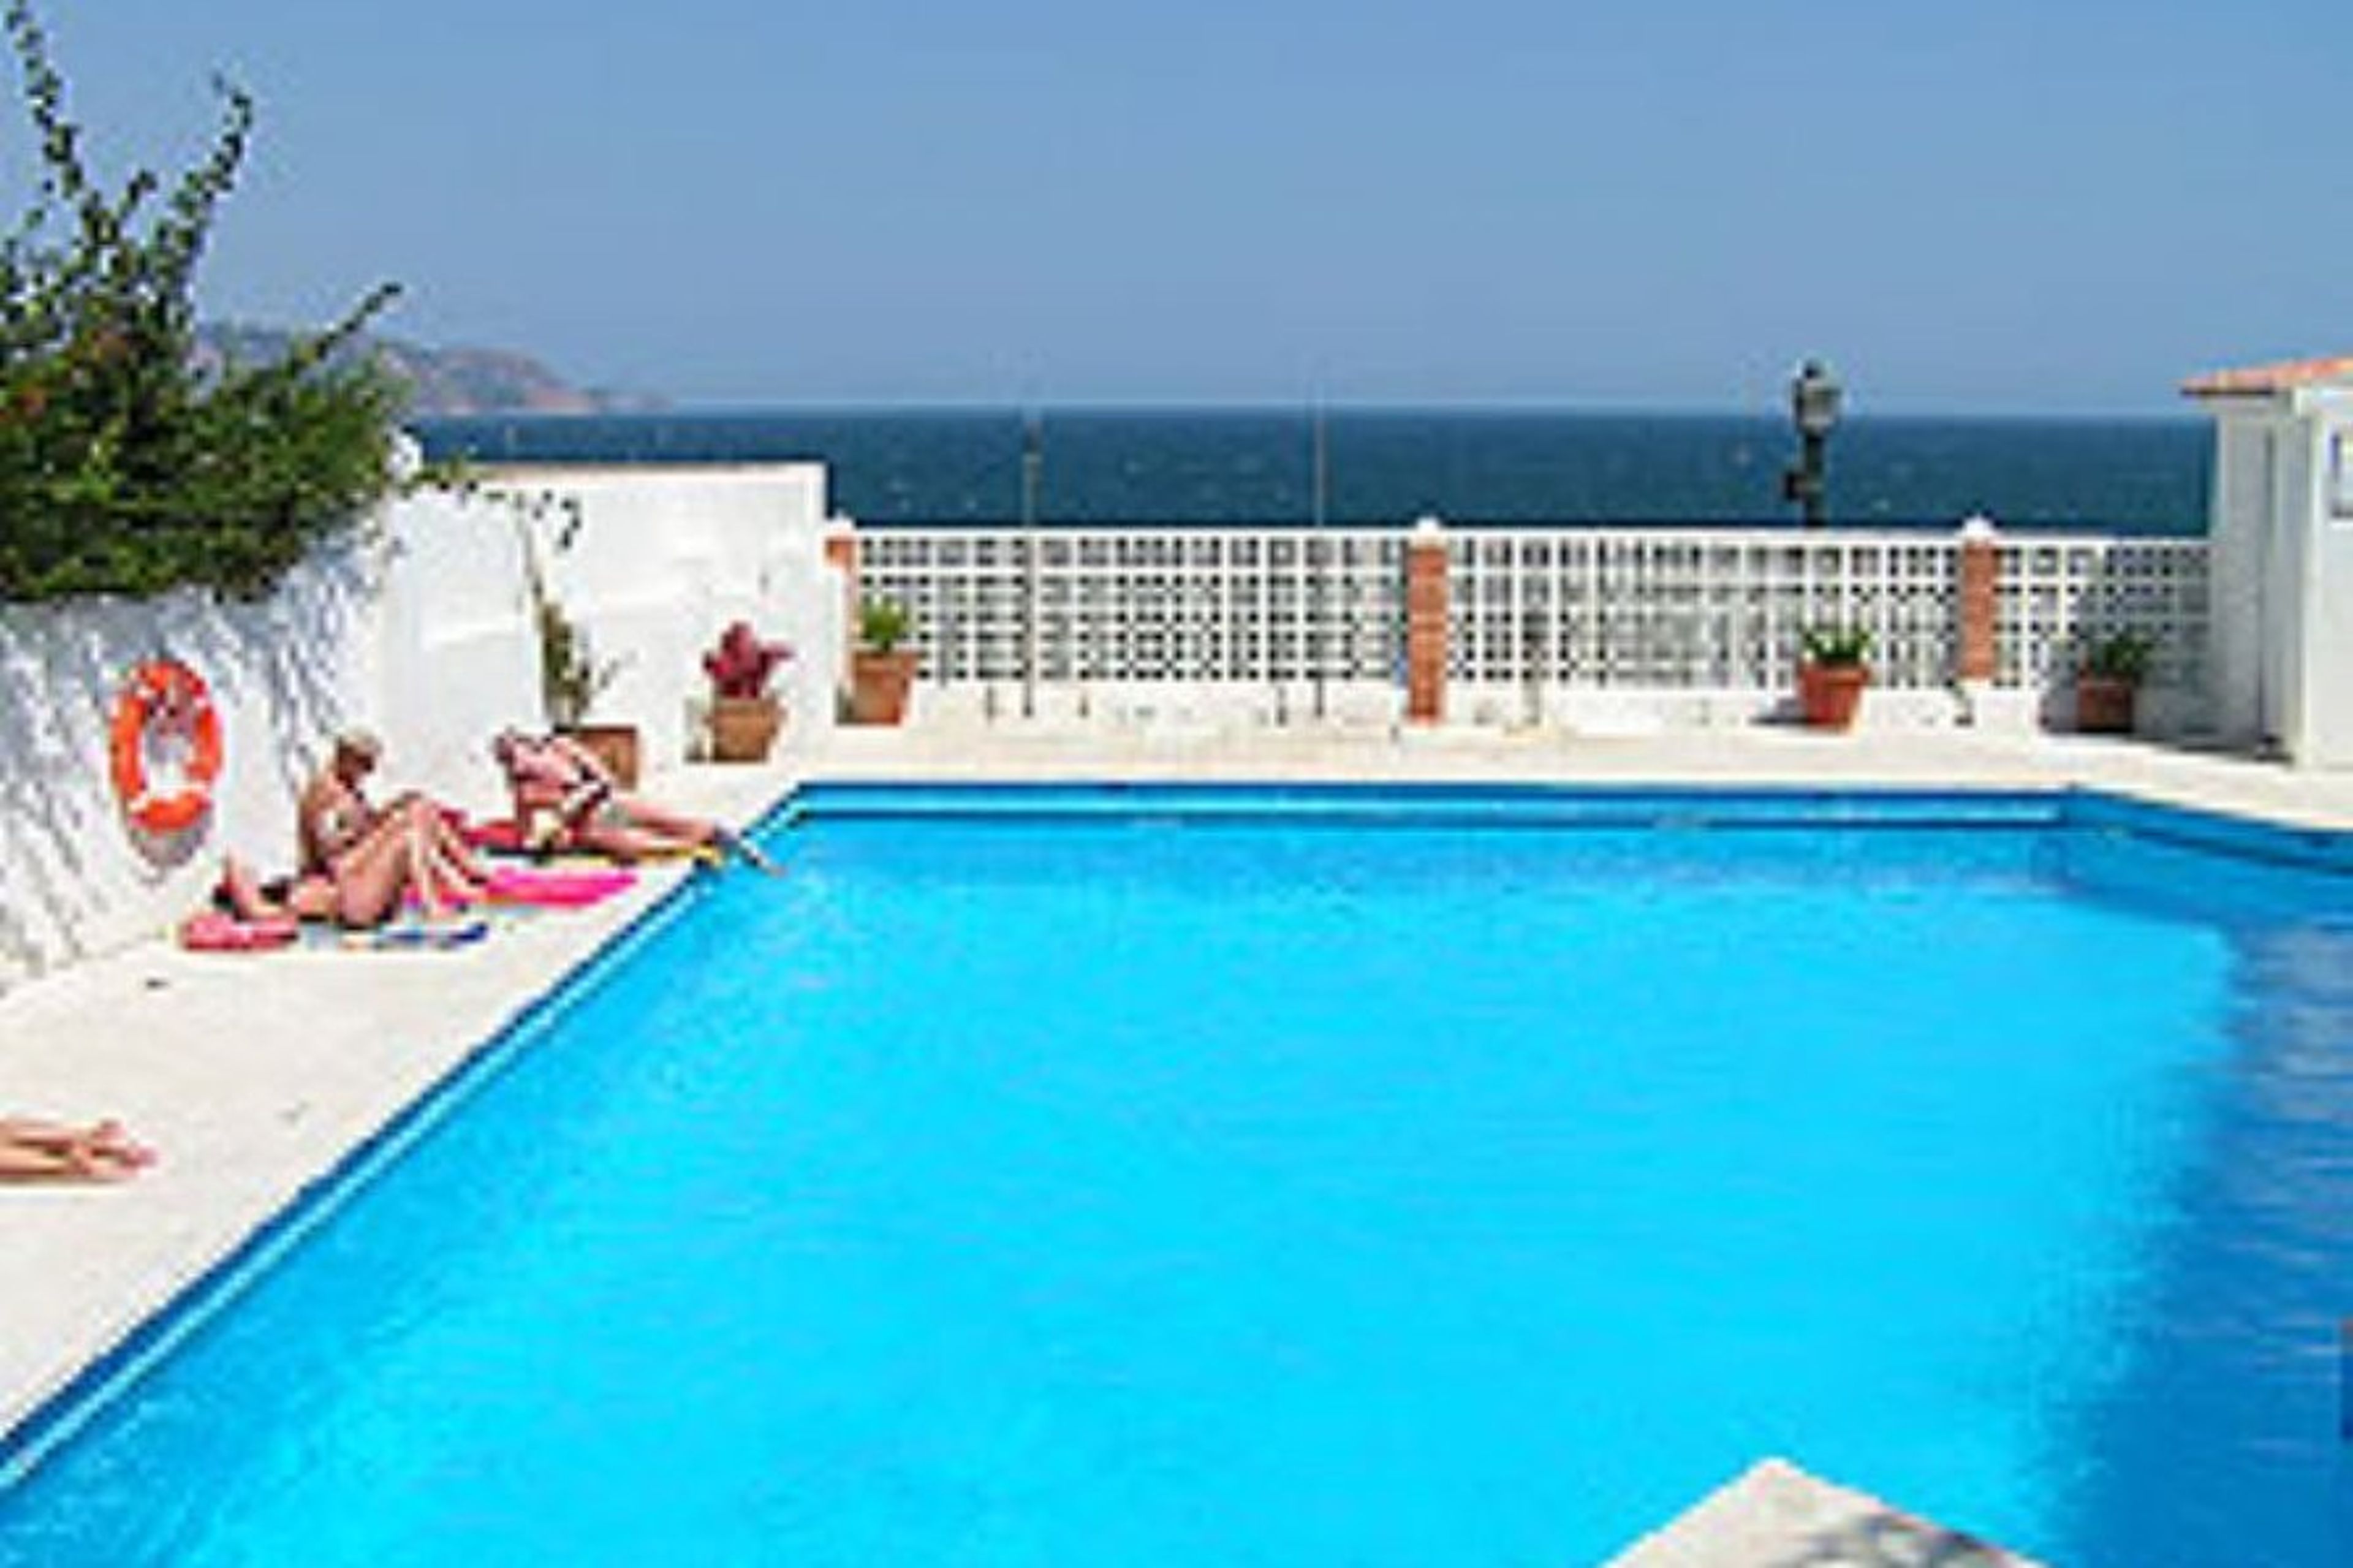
[109,1138]
[730,842]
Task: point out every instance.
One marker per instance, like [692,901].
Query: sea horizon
[795,407]
[1481,464]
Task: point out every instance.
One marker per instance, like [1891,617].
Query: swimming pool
[1150,1175]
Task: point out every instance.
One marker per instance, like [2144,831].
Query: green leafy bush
[124,468]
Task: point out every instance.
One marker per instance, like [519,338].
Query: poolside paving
[1776,1516]
[257,1076]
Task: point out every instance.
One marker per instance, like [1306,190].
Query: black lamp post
[1814,394]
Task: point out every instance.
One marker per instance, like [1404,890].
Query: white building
[2282,557]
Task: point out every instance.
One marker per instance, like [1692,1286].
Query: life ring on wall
[165,712]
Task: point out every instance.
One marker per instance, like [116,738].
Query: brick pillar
[1980,573]
[841,555]
[1425,623]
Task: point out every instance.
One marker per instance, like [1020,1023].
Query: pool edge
[52,1419]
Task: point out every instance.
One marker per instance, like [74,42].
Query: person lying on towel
[566,799]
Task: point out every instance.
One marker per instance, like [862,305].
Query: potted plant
[880,670]
[2107,680]
[1832,669]
[744,714]
[571,678]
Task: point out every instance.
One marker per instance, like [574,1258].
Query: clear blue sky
[1982,205]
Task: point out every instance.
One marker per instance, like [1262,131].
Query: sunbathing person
[375,859]
[334,813]
[50,1151]
[565,798]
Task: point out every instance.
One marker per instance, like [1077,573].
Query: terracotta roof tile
[2265,378]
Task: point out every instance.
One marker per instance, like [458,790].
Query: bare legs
[632,827]
[629,829]
[241,887]
[32,1149]
[410,849]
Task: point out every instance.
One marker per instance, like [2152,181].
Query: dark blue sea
[1466,465]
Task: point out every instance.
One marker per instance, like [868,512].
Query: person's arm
[591,767]
[317,831]
[337,823]
[595,785]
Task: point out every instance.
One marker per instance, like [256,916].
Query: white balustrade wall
[2060,594]
[1096,620]
[1702,625]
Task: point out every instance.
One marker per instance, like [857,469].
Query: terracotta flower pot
[1828,694]
[743,728]
[878,685]
[614,746]
[2104,705]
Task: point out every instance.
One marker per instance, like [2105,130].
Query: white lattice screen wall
[2059,595]
[1626,609]
[1144,604]
[1694,608]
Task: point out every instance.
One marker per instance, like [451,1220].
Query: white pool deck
[256,1076]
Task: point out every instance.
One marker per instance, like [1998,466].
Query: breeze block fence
[1526,624]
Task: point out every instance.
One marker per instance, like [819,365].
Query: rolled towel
[215,930]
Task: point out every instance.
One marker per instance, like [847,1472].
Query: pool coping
[1775,1515]
[107,1268]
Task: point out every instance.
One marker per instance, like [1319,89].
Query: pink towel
[211,931]
[566,889]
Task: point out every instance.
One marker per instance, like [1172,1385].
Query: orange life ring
[164,705]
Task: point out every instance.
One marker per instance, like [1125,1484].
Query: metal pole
[1032,459]
[1812,448]
[1318,630]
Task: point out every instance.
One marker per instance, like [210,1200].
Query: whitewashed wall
[72,879]
[419,625]
[2283,564]
[2238,507]
[665,558]
[2320,728]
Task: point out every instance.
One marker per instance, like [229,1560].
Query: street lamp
[1814,394]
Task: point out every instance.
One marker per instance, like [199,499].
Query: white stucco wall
[2282,566]
[665,558]
[419,625]
[2321,697]
[74,879]
[2238,526]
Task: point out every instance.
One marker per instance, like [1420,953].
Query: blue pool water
[1206,1176]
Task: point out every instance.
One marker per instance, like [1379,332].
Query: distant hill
[443,381]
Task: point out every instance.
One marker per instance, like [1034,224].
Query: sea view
[1258,466]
